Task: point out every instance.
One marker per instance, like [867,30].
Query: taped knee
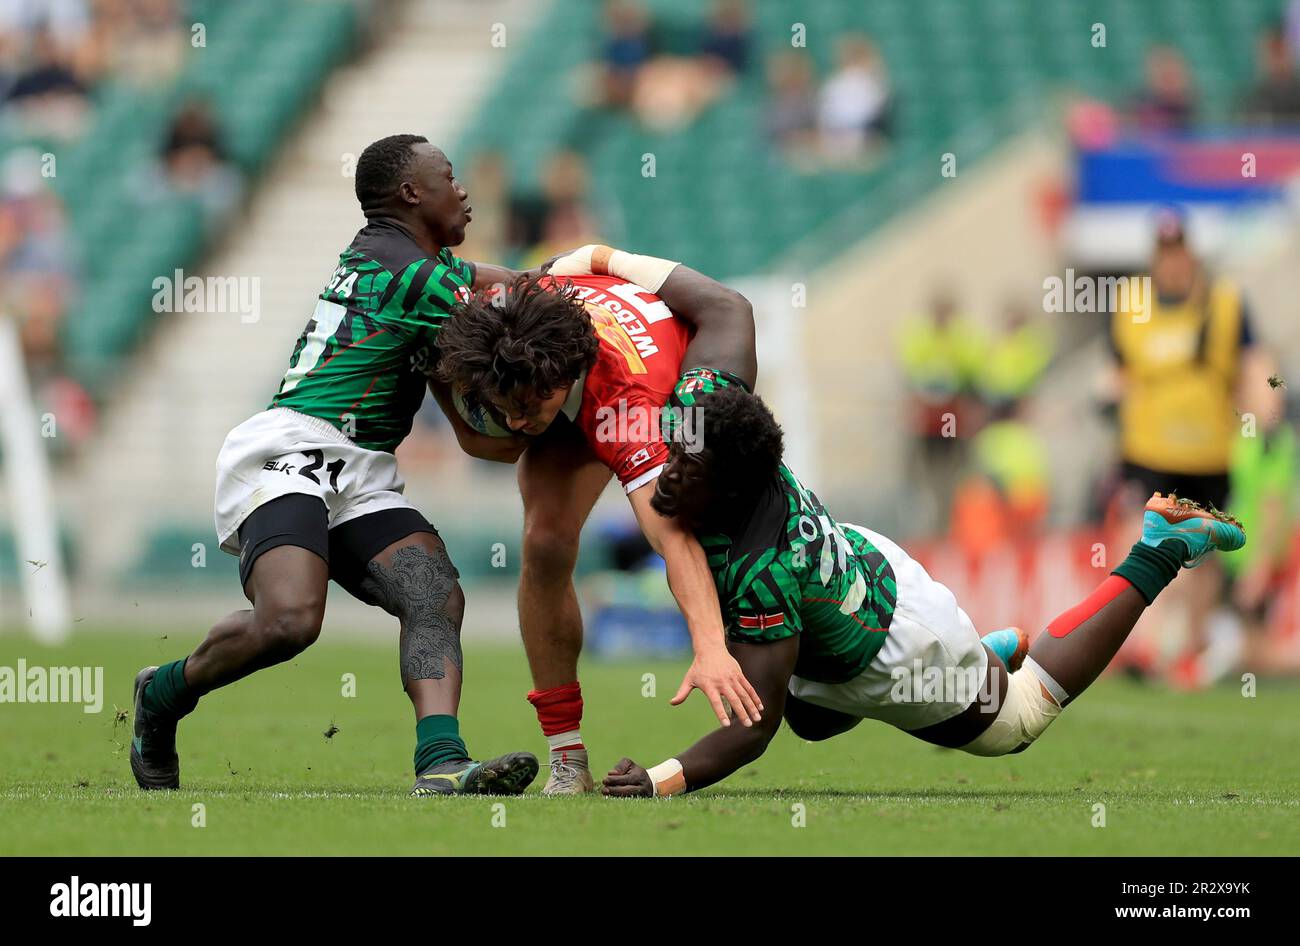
[1026,712]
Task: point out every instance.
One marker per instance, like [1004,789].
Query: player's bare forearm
[481,446]
[729,748]
[714,672]
[487,275]
[688,573]
[692,585]
[723,321]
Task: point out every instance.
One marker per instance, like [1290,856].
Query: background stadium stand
[965,76]
[261,65]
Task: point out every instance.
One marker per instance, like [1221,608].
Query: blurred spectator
[791,112]
[1292,28]
[34,239]
[854,101]
[671,91]
[65,20]
[1263,480]
[489,192]
[65,23]
[53,51]
[556,219]
[1005,498]
[625,50]
[1183,355]
[940,353]
[46,96]
[194,162]
[37,285]
[1275,98]
[668,91]
[727,39]
[1168,101]
[1016,359]
[147,40]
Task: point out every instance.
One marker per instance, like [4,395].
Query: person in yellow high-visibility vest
[1018,356]
[1184,350]
[941,353]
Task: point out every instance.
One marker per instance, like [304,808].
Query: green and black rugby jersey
[361,362]
[790,569]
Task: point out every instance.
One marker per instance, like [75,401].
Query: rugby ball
[480,418]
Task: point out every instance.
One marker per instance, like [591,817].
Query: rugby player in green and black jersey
[309,490]
[834,623]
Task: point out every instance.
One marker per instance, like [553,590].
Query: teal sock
[1150,569]
[167,693]
[437,740]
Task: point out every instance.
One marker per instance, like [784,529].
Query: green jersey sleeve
[425,293]
[762,599]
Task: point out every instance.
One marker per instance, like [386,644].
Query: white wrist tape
[577,263]
[648,272]
[668,778]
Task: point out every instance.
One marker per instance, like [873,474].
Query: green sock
[167,693]
[1151,569]
[437,740]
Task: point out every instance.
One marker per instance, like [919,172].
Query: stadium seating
[965,75]
[260,65]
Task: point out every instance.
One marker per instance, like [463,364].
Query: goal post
[25,468]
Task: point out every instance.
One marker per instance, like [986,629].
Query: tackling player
[582,363]
[309,490]
[834,623]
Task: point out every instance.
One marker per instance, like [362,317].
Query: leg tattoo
[415,587]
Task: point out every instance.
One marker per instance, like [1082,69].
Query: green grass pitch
[1209,773]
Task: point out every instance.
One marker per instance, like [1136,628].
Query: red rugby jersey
[639,361]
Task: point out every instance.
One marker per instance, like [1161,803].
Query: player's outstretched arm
[723,321]
[725,750]
[500,449]
[714,672]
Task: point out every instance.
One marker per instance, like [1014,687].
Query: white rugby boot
[570,774]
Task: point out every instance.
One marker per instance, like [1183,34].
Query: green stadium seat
[261,62]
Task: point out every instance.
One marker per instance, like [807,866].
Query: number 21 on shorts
[317,458]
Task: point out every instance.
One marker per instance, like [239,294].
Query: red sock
[559,710]
[1106,592]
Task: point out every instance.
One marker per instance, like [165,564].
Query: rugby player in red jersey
[587,394]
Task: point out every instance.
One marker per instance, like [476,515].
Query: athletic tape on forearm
[668,778]
[648,272]
[577,263]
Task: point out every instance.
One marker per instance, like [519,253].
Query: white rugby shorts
[279,451]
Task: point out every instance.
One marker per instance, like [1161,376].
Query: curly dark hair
[533,339]
[380,169]
[744,442]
